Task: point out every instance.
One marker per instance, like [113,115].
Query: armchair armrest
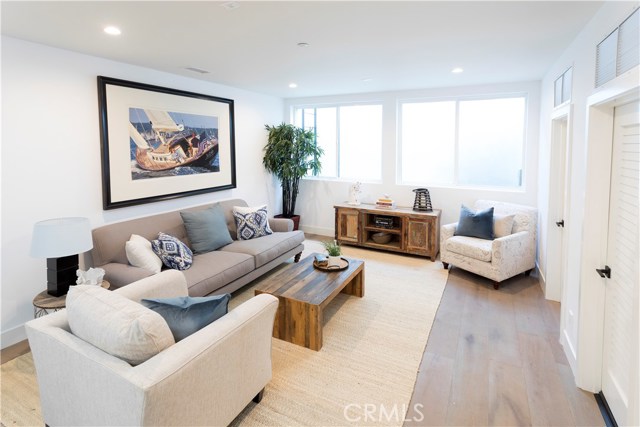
[281,224]
[447,231]
[514,252]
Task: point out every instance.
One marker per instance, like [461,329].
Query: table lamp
[60,240]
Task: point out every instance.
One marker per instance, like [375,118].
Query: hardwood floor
[493,358]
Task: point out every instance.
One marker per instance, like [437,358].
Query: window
[562,88]
[619,51]
[351,137]
[463,142]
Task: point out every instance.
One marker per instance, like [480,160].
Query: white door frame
[559,180]
[600,115]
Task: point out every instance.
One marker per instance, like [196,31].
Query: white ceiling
[398,45]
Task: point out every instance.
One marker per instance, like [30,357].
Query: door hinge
[605,272]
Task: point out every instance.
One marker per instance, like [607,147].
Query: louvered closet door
[622,256]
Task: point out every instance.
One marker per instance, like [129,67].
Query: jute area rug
[363,375]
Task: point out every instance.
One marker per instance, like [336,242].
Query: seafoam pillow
[502,225]
[116,324]
[186,315]
[251,222]
[140,254]
[475,224]
[207,229]
[173,253]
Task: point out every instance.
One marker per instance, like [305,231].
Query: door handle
[560,223]
[605,272]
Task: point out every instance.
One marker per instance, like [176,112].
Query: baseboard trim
[605,410]
[12,336]
[321,231]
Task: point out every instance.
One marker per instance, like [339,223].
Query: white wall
[51,156]
[317,197]
[581,55]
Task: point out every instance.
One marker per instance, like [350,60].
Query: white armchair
[497,259]
[205,379]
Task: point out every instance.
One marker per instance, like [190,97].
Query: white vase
[334,260]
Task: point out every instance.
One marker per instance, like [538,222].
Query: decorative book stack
[385,203]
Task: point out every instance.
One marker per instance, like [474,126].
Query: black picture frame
[147,156]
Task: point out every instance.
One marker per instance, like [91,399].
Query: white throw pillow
[140,254]
[116,324]
[502,225]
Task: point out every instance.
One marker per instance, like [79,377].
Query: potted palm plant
[290,153]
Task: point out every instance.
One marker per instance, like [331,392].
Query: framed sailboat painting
[159,143]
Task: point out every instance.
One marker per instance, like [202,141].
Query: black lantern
[423,200]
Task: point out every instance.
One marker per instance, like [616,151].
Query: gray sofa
[224,270]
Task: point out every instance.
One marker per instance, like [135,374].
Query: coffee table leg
[356,286]
[304,324]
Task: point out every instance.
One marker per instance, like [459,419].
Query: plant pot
[295,219]
[333,260]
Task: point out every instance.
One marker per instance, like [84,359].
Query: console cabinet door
[418,236]
[348,225]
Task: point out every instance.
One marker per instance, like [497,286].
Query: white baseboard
[12,336]
[329,232]
[543,281]
[569,351]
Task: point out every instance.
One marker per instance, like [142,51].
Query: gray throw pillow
[186,315]
[207,229]
[475,224]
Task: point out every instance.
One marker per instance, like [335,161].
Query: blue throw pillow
[207,229]
[251,222]
[186,315]
[475,224]
[173,253]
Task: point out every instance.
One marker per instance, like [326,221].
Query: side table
[43,303]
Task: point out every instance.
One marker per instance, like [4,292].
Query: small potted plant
[333,251]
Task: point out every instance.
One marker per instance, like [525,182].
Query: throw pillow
[475,224]
[251,222]
[502,225]
[116,324]
[207,229]
[186,315]
[173,253]
[140,254]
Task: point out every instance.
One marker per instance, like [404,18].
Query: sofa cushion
[186,315]
[173,253]
[471,247]
[502,225]
[207,229]
[140,254]
[251,222]
[267,248]
[212,270]
[475,224]
[115,324]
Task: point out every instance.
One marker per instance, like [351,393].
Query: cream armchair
[497,259]
[205,379]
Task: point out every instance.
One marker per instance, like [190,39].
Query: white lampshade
[55,238]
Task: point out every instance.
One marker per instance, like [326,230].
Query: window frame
[337,105]
[458,99]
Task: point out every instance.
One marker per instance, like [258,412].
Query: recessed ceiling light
[457,70]
[231,5]
[112,31]
[367,79]
[303,44]
[293,85]
[197,70]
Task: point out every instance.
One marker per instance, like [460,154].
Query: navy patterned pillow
[251,222]
[173,253]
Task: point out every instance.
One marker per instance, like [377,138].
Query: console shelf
[411,232]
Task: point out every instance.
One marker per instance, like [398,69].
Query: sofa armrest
[166,284]
[281,224]
[120,275]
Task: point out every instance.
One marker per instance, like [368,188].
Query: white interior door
[620,352]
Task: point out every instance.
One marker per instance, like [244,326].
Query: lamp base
[61,273]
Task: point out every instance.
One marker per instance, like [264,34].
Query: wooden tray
[344,264]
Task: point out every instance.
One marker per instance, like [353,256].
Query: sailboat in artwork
[177,147]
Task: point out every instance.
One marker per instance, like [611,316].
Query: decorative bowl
[381,237]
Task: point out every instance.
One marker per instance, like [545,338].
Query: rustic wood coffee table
[304,292]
